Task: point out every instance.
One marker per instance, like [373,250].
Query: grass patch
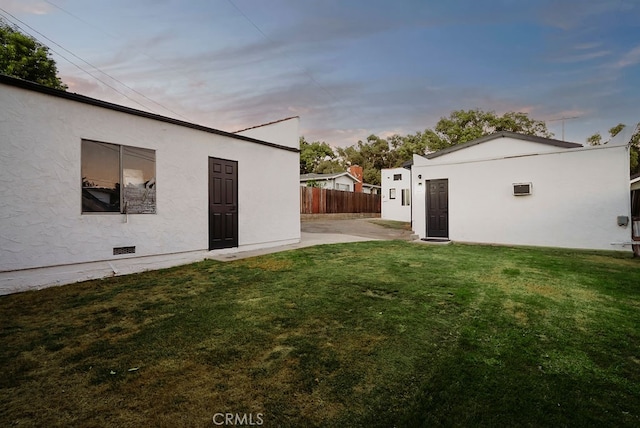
[363,334]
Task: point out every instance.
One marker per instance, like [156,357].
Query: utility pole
[562,119]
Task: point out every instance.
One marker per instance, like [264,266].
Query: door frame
[427,183]
[226,243]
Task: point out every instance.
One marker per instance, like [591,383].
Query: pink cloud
[34,7]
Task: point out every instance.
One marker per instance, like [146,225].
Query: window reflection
[104,165]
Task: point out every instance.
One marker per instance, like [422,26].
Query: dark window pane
[139,178]
[100,177]
[397,177]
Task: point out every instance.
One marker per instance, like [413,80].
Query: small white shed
[92,189]
[509,188]
[396,194]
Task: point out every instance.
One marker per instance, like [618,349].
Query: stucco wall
[41,223]
[284,132]
[577,196]
[392,209]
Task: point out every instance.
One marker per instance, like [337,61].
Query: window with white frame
[392,193]
[341,186]
[116,178]
[406,197]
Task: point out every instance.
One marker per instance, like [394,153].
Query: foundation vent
[521,189]
[117,251]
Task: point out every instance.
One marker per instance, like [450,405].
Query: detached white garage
[509,188]
[91,189]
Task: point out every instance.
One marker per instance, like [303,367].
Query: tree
[24,57]
[418,143]
[329,166]
[377,153]
[595,139]
[313,154]
[466,125]
[372,155]
[634,151]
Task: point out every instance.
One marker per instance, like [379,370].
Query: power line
[103,31]
[304,70]
[74,64]
[90,65]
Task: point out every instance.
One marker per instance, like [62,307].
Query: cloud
[630,58]
[583,56]
[351,69]
[588,45]
[573,14]
[34,7]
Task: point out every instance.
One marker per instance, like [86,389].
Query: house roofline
[24,84]
[267,124]
[515,135]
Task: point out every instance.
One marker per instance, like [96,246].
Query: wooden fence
[314,200]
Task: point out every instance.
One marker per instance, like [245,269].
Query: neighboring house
[349,181]
[92,189]
[396,194]
[508,188]
[371,189]
[336,181]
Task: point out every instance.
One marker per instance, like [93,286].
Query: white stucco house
[508,188]
[92,189]
[335,181]
[396,194]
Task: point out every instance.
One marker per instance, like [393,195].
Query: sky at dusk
[348,68]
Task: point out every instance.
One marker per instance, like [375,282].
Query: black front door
[438,208]
[223,203]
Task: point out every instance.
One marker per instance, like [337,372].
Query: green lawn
[365,334]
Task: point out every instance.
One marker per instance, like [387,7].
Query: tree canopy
[377,153]
[313,154]
[24,57]
[466,125]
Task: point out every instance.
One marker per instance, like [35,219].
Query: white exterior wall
[284,132]
[576,198]
[392,209]
[46,240]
